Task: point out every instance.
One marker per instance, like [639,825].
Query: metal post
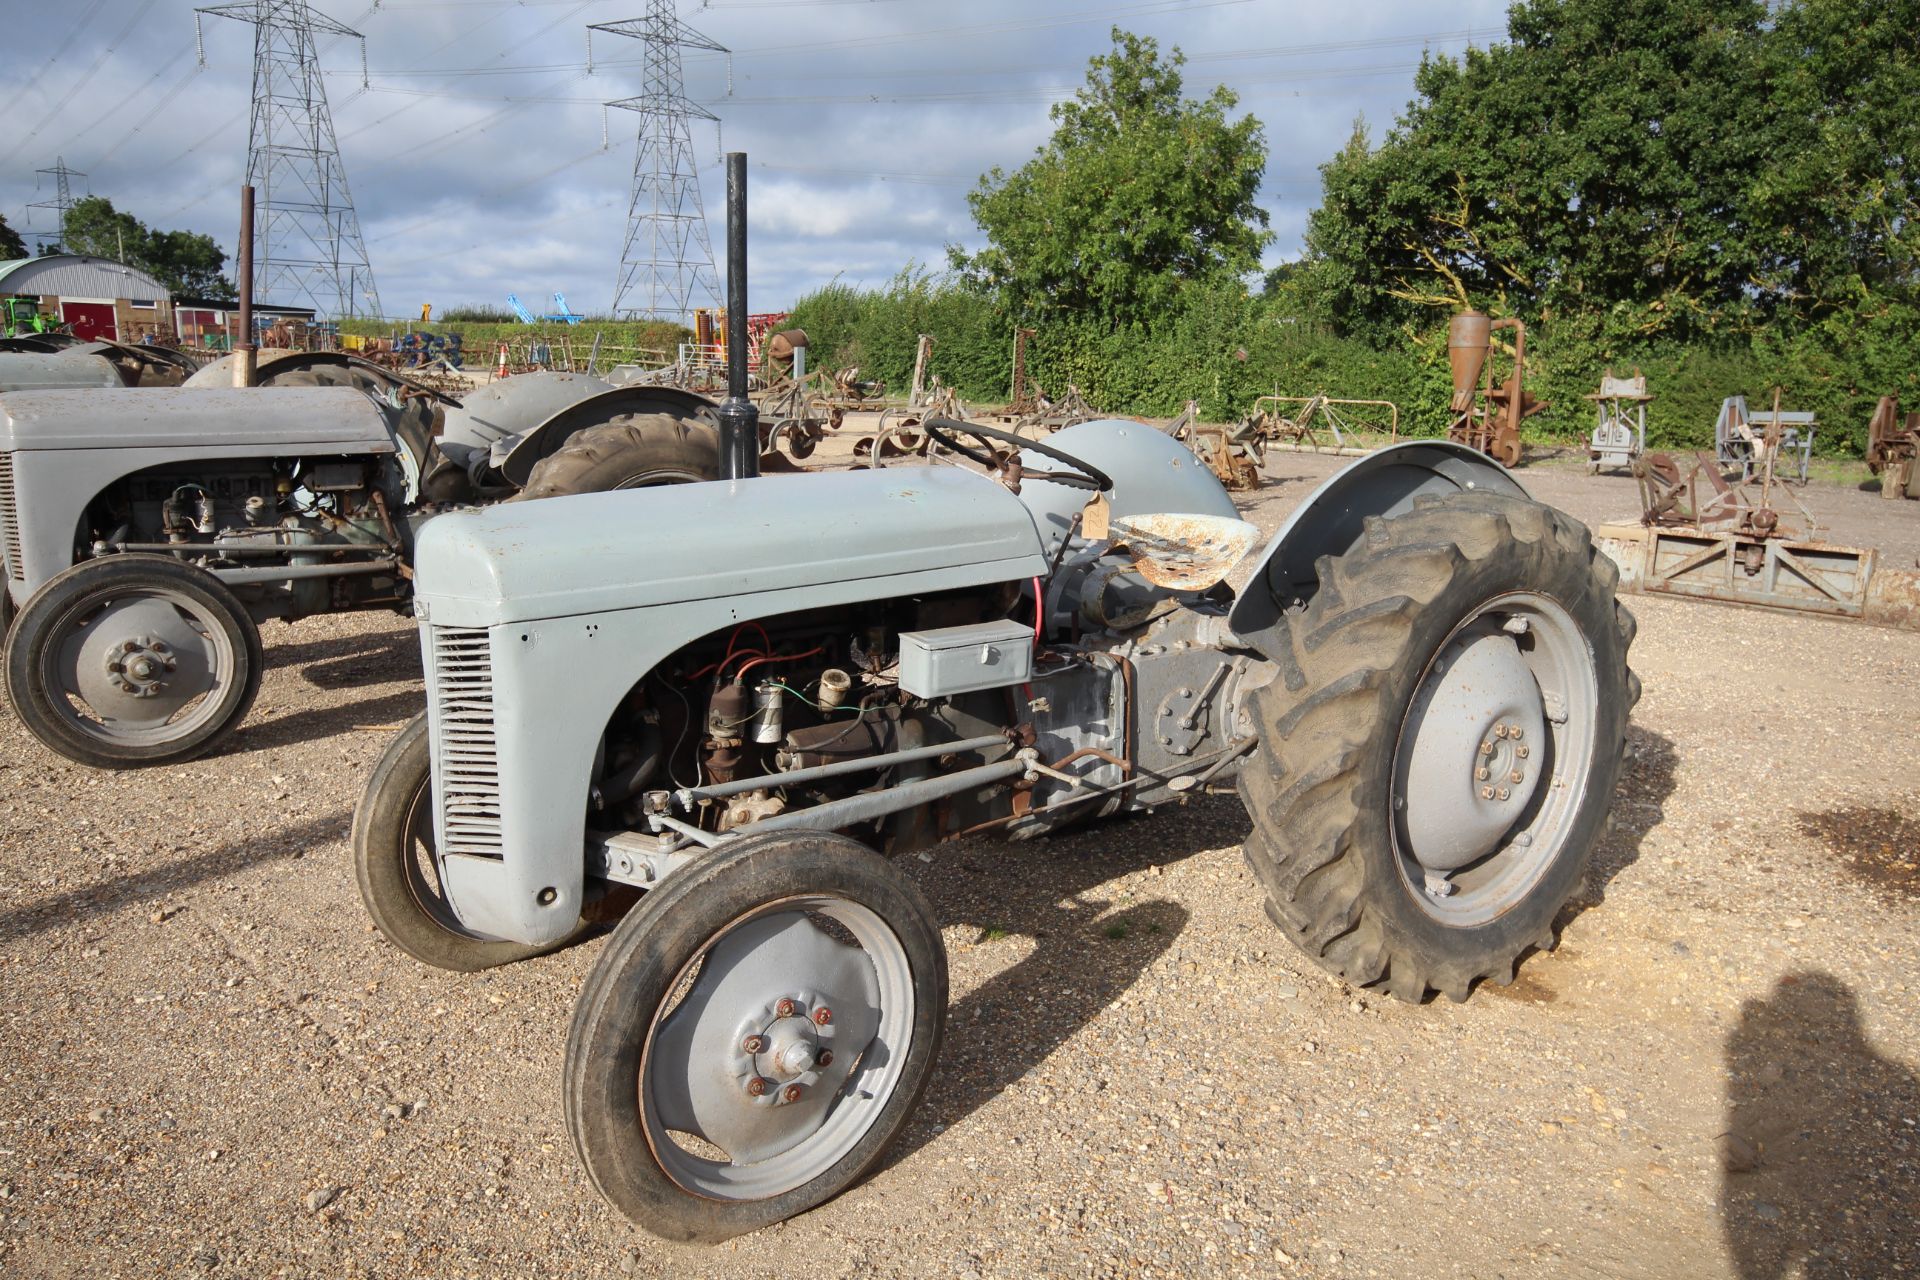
[245,350]
[739,420]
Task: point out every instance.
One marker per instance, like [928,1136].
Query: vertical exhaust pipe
[739,420]
[246,349]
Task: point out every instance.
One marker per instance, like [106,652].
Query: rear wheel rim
[1494,758]
[770,974]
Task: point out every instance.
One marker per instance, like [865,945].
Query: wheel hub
[787,1045]
[140,666]
[1470,770]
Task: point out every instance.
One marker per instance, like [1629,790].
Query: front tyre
[398,873]
[1441,748]
[133,660]
[756,1032]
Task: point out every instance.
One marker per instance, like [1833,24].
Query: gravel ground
[213,1067]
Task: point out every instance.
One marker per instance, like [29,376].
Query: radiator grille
[10,521]
[467,761]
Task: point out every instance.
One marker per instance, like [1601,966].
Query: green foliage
[1139,193]
[11,245]
[187,263]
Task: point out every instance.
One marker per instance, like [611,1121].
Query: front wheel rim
[138,668]
[1494,758]
[743,1026]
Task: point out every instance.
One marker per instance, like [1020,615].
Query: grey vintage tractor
[145,534]
[1420,692]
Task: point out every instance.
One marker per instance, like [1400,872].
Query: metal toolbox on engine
[980,655]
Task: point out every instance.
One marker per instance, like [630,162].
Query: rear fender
[1331,520]
[601,407]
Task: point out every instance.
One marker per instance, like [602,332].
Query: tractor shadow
[171,878]
[1085,954]
[337,655]
[1647,782]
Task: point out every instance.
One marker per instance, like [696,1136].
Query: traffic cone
[501,370]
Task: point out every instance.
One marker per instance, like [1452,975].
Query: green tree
[11,245]
[1139,192]
[186,262]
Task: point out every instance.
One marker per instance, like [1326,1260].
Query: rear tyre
[1441,747]
[756,1032]
[395,866]
[634,451]
[133,660]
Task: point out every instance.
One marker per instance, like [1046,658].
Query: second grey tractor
[147,533]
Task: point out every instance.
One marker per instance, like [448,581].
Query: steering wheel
[1083,475]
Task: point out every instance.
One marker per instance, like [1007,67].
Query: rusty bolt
[784,1009]
[159,647]
[1482,774]
[824,1058]
[1486,748]
[1486,793]
[1516,776]
[116,667]
[129,646]
[1514,733]
[758,1085]
[1503,793]
[1500,730]
[822,1016]
[754,1044]
[1521,752]
[792,1093]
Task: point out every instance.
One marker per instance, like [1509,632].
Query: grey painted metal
[510,407]
[1510,705]
[698,1070]
[1331,520]
[577,608]
[1152,475]
[57,371]
[138,663]
[632,857]
[868,805]
[288,572]
[722,541]
[944,661]
[68,446]
[794,777]
[73,275]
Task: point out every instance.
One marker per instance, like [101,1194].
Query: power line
[53,113]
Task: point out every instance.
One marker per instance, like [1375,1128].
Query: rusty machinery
[1893,444]
[1485,416]
[1735,540]
[1620,424]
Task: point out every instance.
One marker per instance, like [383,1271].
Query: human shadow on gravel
[1820,1161]
[170,877]
[1085,955]
[310,724]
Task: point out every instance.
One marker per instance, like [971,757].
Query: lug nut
[822,1016]
[754,1044]
[1521,752]
[758,1085]
[1514,733]
[1483,774]
[824,1058]
[1503,793]
[1500,730]
[1486,793]
[784,1009]
[129,646]
[1486,748]
[1516,777]
[792,1093]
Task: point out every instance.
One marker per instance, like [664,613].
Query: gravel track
[211,1066]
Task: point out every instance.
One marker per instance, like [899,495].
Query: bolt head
[792,1093]
[1486,747]
[754,1044]
[158,647]
[784,1009]
[1486,793]
[1516,776]
[1521,752]
[116,666]
[758,1086]
[129,646]
[1503,793]
[1514,733]
[822,1016]
[824,1058]
[1483,774]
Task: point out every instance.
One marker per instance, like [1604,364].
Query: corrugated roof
[72,275]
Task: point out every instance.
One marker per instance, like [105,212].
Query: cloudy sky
[475,151]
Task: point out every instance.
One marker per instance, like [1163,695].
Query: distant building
[95,297]
[202,322]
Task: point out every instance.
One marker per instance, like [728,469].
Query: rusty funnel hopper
[1468,338]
